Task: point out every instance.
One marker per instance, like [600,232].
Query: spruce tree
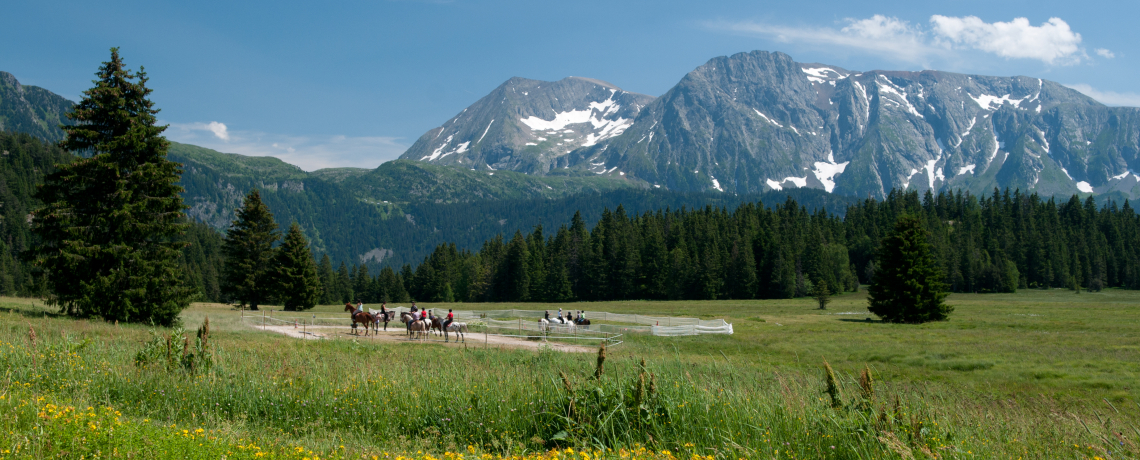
[110,223]
[328,281]
[297,284]
[249,250]
[821,294]
[907,287]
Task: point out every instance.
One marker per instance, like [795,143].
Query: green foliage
[297,284]
[249,253]
[908,286]
[110,225]
[174,352]
[832,390]
[611,412]
[821,294]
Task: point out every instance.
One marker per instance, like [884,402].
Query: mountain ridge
[760,121]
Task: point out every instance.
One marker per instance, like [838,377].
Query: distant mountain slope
[405,181]
[760,121]
[530,126]
[32,110]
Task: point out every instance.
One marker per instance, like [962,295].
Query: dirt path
[396,335]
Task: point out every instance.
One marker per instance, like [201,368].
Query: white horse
[458,328]
[557,323]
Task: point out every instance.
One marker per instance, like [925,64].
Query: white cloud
[1051,42]
[888,37]
[219,129]
[1105,53]
[1108,97]
[308,152]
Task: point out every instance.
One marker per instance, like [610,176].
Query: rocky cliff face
[760,121]
[530,126]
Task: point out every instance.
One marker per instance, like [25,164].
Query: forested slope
[996,243]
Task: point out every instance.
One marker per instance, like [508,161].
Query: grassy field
[1037,374]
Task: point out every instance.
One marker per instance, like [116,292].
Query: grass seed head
[832,386]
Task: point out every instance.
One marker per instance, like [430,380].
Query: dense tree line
[996,243]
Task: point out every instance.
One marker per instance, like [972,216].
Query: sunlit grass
[1031,374]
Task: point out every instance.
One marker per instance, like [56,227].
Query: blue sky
[325,84]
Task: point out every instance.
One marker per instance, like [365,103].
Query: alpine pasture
[1036,374]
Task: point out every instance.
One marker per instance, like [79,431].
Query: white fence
[667,326]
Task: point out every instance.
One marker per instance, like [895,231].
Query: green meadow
[1036,374]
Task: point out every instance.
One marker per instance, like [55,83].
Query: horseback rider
[384,311]
[359,307]
[414,307]
[450,318]
[548,316]
[560,314]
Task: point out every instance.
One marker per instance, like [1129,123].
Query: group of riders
[372,318]
[417,314]
[570,318]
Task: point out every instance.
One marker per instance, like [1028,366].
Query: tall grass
[409,397]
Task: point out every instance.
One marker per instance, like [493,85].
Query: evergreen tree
[111,223]
[329,288]
[908,286]
[343,284]
[821,294]
[298,286]
[515,274]
[249,249]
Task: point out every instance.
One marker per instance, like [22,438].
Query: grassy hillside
[407,181]
[1040,374]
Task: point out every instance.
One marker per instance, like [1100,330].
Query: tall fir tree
[908,286]
[111,223]
[343,284]
[249,250]
[295,278]
[329,289]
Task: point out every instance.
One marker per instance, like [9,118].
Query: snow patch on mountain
[825,172]
[988,102]
[1084,187]
[485,131]
[769,120]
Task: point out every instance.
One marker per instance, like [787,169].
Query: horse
[559,323]
[415,326]
[581,320]
[460,329]
[437,324]
[359,317]
[385,316]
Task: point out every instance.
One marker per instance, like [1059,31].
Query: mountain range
[760,121]
[748,126]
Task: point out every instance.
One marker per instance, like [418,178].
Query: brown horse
[383,316]
[437,324]
[360,317]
